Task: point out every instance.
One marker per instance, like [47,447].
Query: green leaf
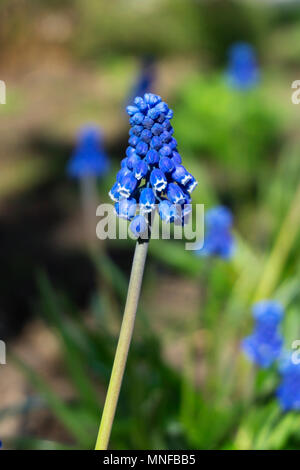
[24,443]
[111,273]
[63,412]
[289,425]
[73,357]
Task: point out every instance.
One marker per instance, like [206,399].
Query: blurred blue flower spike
[218,240]
[288,392]
[264,346]
[242,71]
[88,158]
[145,78]
[151,173]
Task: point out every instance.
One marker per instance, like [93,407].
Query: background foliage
[187,385]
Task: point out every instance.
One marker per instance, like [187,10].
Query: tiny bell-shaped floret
[139,225]
[126,208]
[121,173]
[127,185]
[165,151]
[176,158]
[147,200]
[140,169]
[167,211]
[191,185]
[158,180]
[181,175]
[132,160]
[166,165]
[152,157]
[114,193]
[175,194]
[142,148]
[156,143]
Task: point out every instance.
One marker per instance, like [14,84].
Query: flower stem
[126,331]
[89,202]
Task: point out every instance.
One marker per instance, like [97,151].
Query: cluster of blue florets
[243,71]
[152,172]
[89,157]
[265,346]
[218,239]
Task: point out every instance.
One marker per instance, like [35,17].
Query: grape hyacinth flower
[218,240]
[151,174]
[88,162]
[264,346]
[288,392]
[242,72]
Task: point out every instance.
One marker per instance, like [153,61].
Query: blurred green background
[187,385]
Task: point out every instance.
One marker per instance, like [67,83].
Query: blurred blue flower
[264,346]
[218,240]
[288,392]
[242,71]
[268,312]
[151,173]
[145,79]
[88,157]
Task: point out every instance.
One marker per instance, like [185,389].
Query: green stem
[123,345]
[89,202]
[283,244]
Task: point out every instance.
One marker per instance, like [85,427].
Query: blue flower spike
[243,71]
[218,240]
[264,346]
[89,157]
[152,173]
